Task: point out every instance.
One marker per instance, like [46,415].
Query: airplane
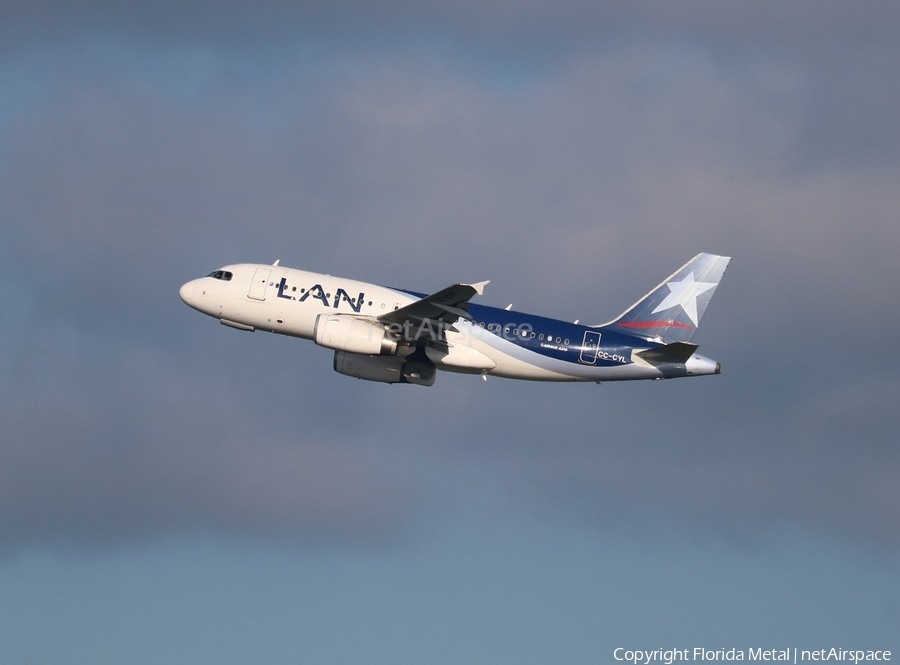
[394,336]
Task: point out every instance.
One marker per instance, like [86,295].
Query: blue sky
[173,491]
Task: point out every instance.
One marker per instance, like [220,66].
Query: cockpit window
[221,274]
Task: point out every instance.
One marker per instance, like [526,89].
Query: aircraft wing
[435,312]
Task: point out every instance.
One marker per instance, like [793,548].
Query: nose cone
[196,294]
[187,293]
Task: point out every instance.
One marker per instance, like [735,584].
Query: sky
[175,491]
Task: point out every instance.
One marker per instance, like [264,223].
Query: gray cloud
[106,440]
[576,186]
[820,26]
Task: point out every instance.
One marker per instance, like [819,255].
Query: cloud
[824,25]
[105,441]
[576,183]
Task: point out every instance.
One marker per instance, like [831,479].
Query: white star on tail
[684,293]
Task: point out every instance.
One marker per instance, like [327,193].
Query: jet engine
[353,334]
[385,369]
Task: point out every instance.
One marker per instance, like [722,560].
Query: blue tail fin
[672,311]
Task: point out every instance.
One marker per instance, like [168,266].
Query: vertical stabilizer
[672,311]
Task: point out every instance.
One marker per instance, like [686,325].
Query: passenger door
[590,347]
[259,284]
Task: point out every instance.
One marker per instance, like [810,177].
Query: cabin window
[566,342]
[558,340]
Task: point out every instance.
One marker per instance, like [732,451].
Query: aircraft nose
[186,292]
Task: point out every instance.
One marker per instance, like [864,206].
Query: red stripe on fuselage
[654,324]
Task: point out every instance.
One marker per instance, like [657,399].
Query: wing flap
[446,305]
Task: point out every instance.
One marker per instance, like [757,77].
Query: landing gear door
[259,283]
[590,347]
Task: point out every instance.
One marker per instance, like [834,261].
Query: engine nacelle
[354,334]
[384,369]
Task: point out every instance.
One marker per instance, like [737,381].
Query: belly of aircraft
[514,362]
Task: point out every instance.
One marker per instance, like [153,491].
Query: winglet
[479,286]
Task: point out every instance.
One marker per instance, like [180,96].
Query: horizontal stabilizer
[677,352]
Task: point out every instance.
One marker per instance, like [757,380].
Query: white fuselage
[495,342]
